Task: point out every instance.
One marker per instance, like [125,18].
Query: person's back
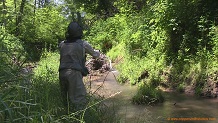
[72,57]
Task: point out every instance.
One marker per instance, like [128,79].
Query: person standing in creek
[72,66]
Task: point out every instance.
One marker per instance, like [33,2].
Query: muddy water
[185,107]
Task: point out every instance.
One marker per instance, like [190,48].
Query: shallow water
[186,107]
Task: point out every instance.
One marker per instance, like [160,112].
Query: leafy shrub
[148,94]
[121,79]
[116,54]
[181,87]
[103,34]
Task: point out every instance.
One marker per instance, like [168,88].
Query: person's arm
[90,50]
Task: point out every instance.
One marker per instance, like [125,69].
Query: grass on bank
[35,97]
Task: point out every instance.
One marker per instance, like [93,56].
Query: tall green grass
[35,96]
[14,86]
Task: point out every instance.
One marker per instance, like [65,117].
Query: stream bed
[177,108]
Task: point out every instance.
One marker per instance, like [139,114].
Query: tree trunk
[15,10]
[4,12]
[19,17]
[34,11]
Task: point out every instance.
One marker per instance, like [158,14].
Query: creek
[177,107]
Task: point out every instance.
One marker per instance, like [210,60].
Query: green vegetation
[148,94]
[35,96]
[174,41]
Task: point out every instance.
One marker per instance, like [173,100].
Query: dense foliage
[175,42]
[36,26]
[154,42]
